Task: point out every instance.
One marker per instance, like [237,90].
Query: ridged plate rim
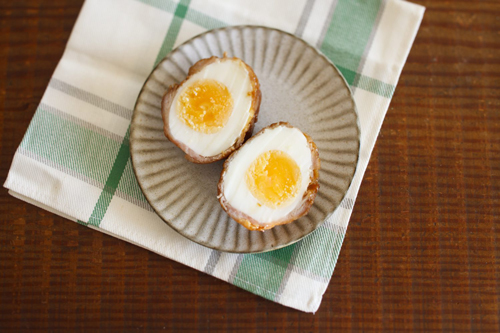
[228,28]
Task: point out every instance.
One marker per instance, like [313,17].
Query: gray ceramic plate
[299,85]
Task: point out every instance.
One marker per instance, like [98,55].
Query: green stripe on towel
[173,30]
[348,35]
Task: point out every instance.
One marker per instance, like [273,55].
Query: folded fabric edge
[40,205]
[26,176]
[308,308]
[416,5]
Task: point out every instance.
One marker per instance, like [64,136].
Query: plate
[299,85]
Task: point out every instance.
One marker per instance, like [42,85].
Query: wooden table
[422,252]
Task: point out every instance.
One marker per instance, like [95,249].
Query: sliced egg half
[212,112]
[272,179]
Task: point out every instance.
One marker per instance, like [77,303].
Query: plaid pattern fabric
[74,159]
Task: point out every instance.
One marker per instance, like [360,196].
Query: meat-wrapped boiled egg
[272,179]
[213,111]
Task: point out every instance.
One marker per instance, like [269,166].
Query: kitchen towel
[74,159]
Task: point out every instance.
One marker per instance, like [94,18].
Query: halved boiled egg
[212,112]
[272,179]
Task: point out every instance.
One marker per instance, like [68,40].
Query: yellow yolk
[273,178]
[205,106]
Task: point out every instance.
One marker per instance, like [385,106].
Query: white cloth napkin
[74,158]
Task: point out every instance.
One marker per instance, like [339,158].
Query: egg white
[234,75]
[289,140]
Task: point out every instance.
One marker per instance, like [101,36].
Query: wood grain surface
[422,252]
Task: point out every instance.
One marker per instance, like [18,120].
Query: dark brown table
[422,252]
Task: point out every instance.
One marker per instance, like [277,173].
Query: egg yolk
[273,178]
[205,106]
